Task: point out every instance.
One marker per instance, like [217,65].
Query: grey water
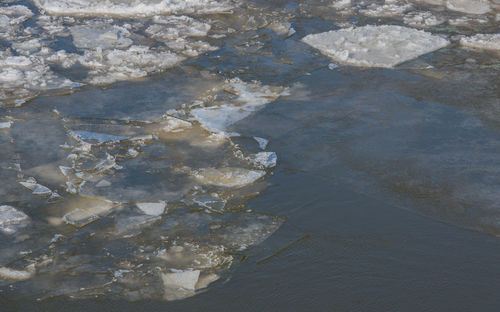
[384,196]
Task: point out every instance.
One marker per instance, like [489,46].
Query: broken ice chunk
[263,160]
[5,124]
[86,210]
[228,177]
[181,279]
[100,35]
[205,280]
[11,219]
[130,226]
[94,136]
[469,6]
[17,275]
[262,142]
[172,124]
[375,46]
[482,41]
[37,189]
[152,209]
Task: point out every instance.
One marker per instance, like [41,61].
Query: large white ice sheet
[375,46]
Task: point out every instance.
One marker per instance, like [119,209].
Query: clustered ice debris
[109,50]
[122,40]
[375,46]
[167,256]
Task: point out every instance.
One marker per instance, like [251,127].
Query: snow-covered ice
[375,46]
[482,41]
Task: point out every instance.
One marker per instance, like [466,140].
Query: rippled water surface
[249,155]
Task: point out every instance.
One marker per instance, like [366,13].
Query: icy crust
[375,46]
[482,41]
[132,8]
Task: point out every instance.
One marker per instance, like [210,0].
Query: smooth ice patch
[375,46]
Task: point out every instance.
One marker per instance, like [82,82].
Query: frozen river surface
[216,155]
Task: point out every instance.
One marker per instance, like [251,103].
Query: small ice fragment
[152,209]
[10,218]
[205,280]
[228,177]
[99,137]
[262,142]
[469,6]
[332,66]
[172,124]
[41,190]
[87,210]
[482,41]
[263,160]
[375,46]
[17,275]
[103,183]
[5,124]
[181,279]
[130,226]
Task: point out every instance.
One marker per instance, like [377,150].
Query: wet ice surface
[146,188]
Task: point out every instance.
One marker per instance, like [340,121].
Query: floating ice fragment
[262,142]
[17,275]
[263,160]
[87,210]
[482,41]
[375,46]
[205,280]
[172,124]
[5,124]
[37,189]
[11,218]
[250,97]
[228,177]
[99,137]
[469,6]
[100,35]
[386,10]
[130,226]
[422,19]
[152,209]
[181,279]
[103,183]
[130,8]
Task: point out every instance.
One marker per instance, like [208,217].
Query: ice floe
[469,6]
[482,41]
[375,46]
[132,8]
[11,219]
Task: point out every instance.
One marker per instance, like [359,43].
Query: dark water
[387,179]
